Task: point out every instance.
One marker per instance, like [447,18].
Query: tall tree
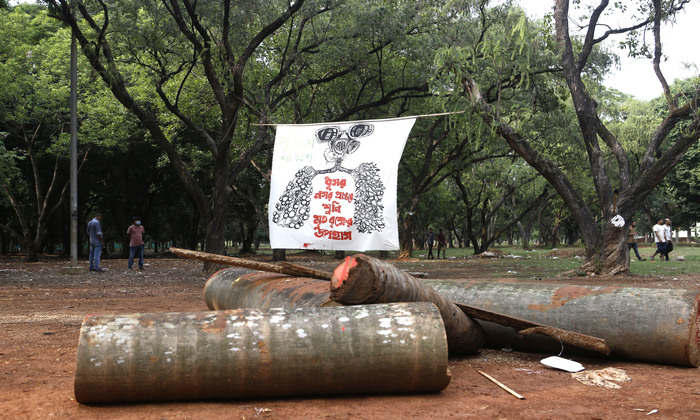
[197,74]
[618,190]
[33,113]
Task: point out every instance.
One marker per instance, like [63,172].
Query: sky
[636,76]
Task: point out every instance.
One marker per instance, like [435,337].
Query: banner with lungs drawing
[333,185]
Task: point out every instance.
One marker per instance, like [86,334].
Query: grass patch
[538,263]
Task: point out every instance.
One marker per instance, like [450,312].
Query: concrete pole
[74,268]
[251,353]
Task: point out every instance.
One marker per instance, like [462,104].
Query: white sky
[636,77]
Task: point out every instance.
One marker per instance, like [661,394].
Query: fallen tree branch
[281,268]
[523,326]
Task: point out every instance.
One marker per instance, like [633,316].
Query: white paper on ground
[557,362]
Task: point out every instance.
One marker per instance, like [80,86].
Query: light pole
[74,267]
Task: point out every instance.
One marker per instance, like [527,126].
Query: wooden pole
[361,279]
[523,326]
[510,391]
[281,268]
[249,353]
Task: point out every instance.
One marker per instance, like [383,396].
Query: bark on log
[236,288]
[248,353]
[361,279]
[649,325]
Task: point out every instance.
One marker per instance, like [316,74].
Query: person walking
[668,237]
[660,239]
[135,233]
[442,244]
[430,239]
[94,231]
[632,242]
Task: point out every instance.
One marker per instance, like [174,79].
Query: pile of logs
[283,330]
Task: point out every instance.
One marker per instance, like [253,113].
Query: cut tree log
[249,353]
[236,288]
[361,279]
[374,280]
[642,324]
[239,288]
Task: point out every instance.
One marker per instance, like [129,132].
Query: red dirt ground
[41,311]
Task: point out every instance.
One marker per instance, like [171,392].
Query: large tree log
[247,353]
[217,297]
[361,279]
[650,325]
[236,288]
[239,288]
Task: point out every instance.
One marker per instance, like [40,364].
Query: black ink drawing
[292,208]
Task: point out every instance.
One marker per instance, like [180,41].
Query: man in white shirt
[660,238]
[668,237]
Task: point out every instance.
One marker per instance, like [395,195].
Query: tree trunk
[613,255]
[32,252]
[279,255]
[406,250]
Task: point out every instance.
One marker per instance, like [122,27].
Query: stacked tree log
[276,335]
[649,325]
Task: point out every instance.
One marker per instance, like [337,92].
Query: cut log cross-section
[361,279]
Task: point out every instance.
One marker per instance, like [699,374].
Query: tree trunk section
[361,279]
[235,288]
[648,325]
[249,353]
[613,257]
[279,255]
[406,250]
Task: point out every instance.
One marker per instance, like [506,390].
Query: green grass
[538,263]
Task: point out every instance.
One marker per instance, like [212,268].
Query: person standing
[442,244]
[431,240]
[632,242]
[135,233]
[669,237]
[94,230]
[660,239]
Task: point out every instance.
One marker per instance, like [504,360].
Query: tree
[33,110]
[197,74]
[486,189]
[617,190]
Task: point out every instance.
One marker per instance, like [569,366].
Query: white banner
[334,185]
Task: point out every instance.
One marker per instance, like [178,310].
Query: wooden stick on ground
[281,268]
[510,391]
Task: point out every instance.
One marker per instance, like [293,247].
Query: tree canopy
[177,97]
